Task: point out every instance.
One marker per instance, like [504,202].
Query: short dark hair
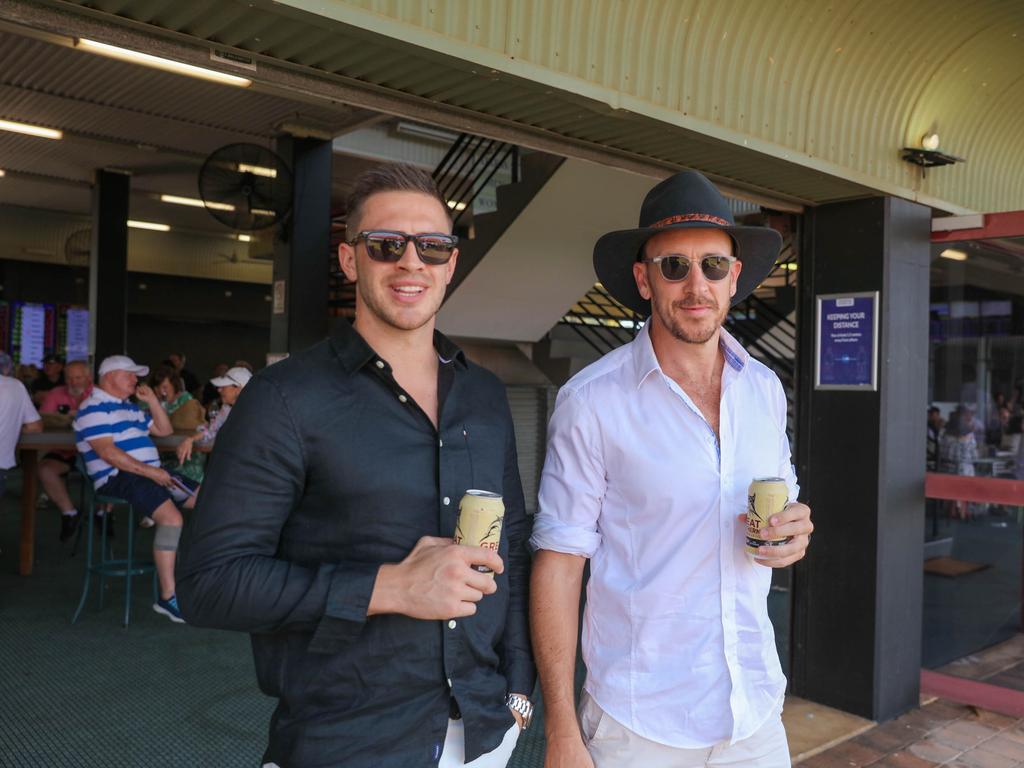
[162,372]
[398,177]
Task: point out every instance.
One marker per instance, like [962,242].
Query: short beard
[382,313]
[699,335]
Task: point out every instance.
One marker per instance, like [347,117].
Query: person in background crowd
[935,424]
[995,425]
[53,376]
[243,364]
[177,361]
[113,436]
[17,415]
[209,390]
[62,404]
[958,450]
[229,387]
[27,374]
[186,415]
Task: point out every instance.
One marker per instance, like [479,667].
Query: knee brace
[166,538]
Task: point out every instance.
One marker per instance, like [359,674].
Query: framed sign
[846,343]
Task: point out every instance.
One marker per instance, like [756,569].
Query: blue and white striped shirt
[103,415]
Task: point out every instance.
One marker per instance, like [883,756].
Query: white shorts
[613,745]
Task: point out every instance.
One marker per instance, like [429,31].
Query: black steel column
[108,265]
[861,461]
[301,250]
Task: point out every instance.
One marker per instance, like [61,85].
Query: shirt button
[402,398]
[440,443]
[380,363]
[451,624]
[447,501]
[449,682]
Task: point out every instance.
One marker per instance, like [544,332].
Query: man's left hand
[516,715]
[793,522]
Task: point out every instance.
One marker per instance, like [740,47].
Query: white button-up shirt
[676,636]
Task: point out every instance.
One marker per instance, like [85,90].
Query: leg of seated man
[163,555]
[52,472]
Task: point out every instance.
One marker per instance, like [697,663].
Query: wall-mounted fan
[78,248]
[246,187]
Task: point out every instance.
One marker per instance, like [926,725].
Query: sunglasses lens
[715,267]
[385,247]
[674,268]
[435,249]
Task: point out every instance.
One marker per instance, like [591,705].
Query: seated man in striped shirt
[113,436]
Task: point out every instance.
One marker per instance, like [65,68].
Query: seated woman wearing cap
[229,386]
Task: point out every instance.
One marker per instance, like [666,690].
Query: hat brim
[224,381]
[615,253]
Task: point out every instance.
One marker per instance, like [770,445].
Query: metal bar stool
[107,565]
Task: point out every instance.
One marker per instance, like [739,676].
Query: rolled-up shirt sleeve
[573,483]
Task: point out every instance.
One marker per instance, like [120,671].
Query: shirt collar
[354,352]
[105,397]
[645,362]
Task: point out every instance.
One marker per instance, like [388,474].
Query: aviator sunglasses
[388,246]
[675,268]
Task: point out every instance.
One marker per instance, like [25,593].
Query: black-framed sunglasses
[675,268]
[385,245]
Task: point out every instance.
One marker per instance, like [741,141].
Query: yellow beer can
[767,496]
[481,514]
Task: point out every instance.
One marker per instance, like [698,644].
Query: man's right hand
[435,581]
[161,477]
[567,752]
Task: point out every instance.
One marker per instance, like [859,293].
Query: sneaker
[169,608]
[68,525]
[146,522]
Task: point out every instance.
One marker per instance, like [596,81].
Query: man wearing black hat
[53,376]
[651,450]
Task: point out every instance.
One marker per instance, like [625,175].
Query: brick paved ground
[940,733]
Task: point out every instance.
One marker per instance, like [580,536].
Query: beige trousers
[613,745]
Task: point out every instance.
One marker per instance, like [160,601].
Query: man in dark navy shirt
[324,526]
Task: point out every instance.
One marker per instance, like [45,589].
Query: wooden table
[30,445]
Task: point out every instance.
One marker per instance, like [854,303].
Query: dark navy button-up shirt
[326,470]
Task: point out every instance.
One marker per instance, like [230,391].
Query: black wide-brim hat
[686,200]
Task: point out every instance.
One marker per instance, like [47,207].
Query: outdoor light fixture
[167,65]
[31,130]
[195,202]
[930,141]
[955,255]
[149,225]
[258,170]
[928,154]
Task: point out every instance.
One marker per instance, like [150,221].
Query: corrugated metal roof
[806,99]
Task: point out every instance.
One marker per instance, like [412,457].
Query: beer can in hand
[479,525]
[767,496]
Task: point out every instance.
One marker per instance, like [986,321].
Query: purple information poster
[847,341]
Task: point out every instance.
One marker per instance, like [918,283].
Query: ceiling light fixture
[262,212]
[456,205]
[243,238]
[930,141]
[2,173]
[258,170]
[955,255]
[31,130]
[151,225]
[157,62]
[195,202]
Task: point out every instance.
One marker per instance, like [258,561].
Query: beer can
[767,496]
[479,525]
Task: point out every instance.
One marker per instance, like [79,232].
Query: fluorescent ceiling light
[262,212]
[167,65]
[149,225]
[955,255]
[31,130]
[243,238]
[196,202]
[257,170]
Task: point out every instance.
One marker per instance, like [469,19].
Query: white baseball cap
[235,377]
[122,363]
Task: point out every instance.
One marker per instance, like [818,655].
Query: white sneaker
[146,522]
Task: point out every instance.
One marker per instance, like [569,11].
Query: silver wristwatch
[522,705]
